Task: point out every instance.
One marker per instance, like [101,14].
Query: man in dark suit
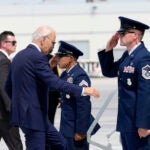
[9,133]
[75,112]
[133,72]
[28,83]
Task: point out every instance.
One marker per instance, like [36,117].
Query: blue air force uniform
[75,112]
[133,71]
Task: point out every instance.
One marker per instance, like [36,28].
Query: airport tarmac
[106,138]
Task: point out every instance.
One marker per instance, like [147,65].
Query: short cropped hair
[4,34]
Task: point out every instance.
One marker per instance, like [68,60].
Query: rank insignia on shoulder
[83,83]
[146,72]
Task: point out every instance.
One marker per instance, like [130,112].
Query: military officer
[75,112]
[133,72]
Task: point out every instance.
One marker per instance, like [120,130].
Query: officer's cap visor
[59,54]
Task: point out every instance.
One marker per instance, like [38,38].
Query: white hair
[42,31]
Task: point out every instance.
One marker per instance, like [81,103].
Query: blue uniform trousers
[132,141]
[38,140]
[77,145]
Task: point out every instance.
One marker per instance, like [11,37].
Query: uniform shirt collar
[134,48]
[4,52]
[36,46]
[71,68]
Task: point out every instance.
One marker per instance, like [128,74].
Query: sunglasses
[12,42]
[123,33]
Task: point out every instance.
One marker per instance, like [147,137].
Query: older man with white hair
[28,83]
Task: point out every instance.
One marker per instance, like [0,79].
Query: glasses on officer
[123,33]
[12,42]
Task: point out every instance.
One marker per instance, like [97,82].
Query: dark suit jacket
[4,99]
[27,85]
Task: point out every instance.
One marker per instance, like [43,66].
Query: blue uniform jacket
[133,86]
[27,86]
[76,111]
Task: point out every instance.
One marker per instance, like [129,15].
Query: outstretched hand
[91,91]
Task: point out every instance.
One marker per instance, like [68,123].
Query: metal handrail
[99,114]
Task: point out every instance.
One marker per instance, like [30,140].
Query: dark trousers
[132,141]
[38,140]
[77,145]
[53,103]
[10,135]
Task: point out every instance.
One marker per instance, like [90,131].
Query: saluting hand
[53,61]
[112,42]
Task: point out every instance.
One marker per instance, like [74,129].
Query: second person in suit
[9,133]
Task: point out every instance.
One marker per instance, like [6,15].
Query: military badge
[67,96]
[131,64]
[146,72]
[129,69]
[125,69]
[129,81]
[70,79]
[83,83]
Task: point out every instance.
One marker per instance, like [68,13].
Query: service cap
[68,49]
[127,24]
